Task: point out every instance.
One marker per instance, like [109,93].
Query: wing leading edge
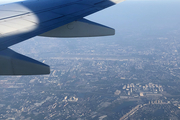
[51,18]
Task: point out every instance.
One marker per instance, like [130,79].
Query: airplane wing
[51,18]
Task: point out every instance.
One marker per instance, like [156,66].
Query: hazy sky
[132,12]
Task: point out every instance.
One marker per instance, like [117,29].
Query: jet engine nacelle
[81,28]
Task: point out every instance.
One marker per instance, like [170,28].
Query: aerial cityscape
[134,75]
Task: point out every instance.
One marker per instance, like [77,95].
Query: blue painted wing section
[31,18]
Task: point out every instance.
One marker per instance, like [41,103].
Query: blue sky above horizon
[142,11]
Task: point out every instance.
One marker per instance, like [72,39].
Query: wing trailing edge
[12,63]
[81,28]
